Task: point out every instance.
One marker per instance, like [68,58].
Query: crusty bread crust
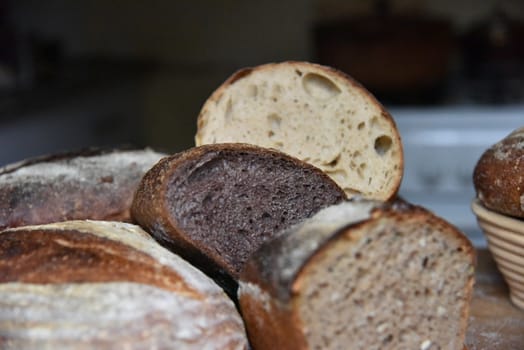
[272,278]
[335,134]
[499,175]
[93,184]
[89,284]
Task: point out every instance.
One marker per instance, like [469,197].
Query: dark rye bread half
[94,184]
[499,175]
[107,285]
[360,275]
[215,204]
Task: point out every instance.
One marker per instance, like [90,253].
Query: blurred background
[105,73]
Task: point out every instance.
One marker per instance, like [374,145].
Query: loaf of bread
[315,113]
[107,285]
[215,204]
[360,275]
[499,175]
[90,184]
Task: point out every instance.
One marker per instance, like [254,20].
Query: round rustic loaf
[91,184]
[107,285]
[499,175]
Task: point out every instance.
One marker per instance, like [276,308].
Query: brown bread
[215,204]
[499,175]
[360,275]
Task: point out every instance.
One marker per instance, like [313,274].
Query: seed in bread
[107,285]
[216,204]
[90,184]
[312,112]
[499,175]
[360,275]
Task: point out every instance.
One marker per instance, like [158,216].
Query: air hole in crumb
[374,122]
[319,86]
[274,121]
[334,162]
[299,73]
[382,144]
[228,114]
[361,125]
[387,339]
[460,249]
[425,262]
[265,215]
[270,133]
[252,91]
[358,255]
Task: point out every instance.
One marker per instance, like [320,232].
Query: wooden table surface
[494,322]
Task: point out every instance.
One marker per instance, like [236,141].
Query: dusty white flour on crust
[94,168]
[125,315]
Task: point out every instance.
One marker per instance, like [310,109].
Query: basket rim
[501,220]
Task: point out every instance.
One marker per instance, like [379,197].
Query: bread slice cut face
[215,204]
[360,275]
[312,112]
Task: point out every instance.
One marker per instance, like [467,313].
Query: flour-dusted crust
[499,175]
[386,276]
[312,112]
[107,285]
[91,184]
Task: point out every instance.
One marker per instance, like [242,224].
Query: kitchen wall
[197,44]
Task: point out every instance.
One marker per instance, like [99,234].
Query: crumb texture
[229,200]
[315,114]
[387,287]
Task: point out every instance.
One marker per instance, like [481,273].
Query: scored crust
[85,284]
[312,112]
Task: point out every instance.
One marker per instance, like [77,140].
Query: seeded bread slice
[360,275]
[215,204]
[107,285]
[312,112]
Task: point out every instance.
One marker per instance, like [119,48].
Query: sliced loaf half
[312,112]
[360,275]
[216,204]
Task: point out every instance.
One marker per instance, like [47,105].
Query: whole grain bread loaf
[499,175]
[360,275]
[215,204]
[312,112]
[90,184]
[107,285]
